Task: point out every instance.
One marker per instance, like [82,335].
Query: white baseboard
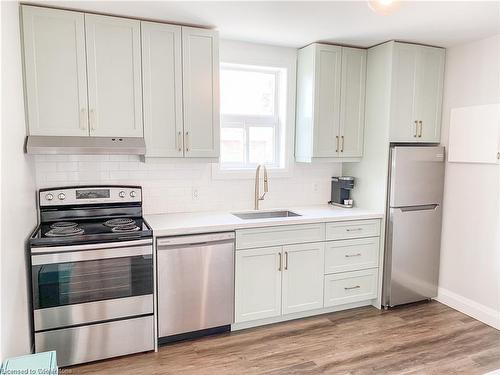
[469,307]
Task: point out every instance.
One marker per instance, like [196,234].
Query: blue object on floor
[40,363]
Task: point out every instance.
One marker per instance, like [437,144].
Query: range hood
[85,145]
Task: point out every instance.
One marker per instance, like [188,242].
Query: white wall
[470,247]
[18,215]
[168,186]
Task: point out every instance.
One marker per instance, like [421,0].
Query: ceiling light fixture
[383,7]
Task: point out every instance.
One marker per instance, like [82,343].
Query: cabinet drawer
[349,287]
[352,229]
[351,255]
[282,235]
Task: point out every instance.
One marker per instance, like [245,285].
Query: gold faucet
[257,185]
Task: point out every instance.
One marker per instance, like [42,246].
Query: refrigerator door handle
[418,208]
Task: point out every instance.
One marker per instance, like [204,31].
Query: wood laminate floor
[427,338]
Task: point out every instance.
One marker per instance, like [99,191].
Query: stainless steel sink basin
[264,214]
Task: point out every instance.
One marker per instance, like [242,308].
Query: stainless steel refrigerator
[413,227]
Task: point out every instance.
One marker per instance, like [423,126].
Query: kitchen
[135,110]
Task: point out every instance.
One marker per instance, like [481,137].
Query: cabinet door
[328,61]
[114,69]
[258,283]
[352,102]
[56,78]
[162,89]
[200,52]
[429,92]
[303,273]
[404,118]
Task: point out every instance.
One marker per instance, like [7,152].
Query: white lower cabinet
[258,283]
[303,270]
[302,277]
[350,287]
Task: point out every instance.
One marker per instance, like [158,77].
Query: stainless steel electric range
[92,274]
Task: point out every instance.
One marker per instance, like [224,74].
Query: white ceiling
[295,24]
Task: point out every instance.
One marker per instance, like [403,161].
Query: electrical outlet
[195,194]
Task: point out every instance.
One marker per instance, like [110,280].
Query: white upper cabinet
[200,72]
[327,100]
[114,76]
[162,89]
[55,72]
[417,89]
[330,102]
[352,102]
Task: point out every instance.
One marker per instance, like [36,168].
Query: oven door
[81,284]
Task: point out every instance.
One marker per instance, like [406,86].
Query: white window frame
[244,122]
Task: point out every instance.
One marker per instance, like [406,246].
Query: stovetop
[81,231]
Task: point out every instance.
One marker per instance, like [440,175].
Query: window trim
[285,60]
[243,121]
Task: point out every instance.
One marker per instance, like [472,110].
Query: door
[404,120]
[114,71]
[200,72]
[162,89]
[429,92]
[303,272]
[258,283]
[412,255]
[327,81]
[55,72]
[416,176]
[352,102]
[195,284]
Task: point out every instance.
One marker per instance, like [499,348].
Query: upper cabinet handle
[337,142]
[416,129]
[342,144]
[286,260]
[420,132]
[92,120]
[83,118]
[187,141]
[179,141]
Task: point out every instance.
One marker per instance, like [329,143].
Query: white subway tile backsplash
[168,185]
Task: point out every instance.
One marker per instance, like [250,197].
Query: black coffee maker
[341,191]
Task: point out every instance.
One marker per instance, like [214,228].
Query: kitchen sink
[264,214]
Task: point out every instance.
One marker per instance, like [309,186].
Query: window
[251,130]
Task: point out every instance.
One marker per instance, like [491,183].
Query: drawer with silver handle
[351,255]
[350,287]
[352,229]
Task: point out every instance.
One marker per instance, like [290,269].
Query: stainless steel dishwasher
[195,285]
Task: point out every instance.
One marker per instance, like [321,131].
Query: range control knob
[133,194]
[49,196]
[61,196]
[121,194]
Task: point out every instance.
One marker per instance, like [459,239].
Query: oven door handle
[81,256]
[92,246]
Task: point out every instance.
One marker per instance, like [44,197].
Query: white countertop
[205,222]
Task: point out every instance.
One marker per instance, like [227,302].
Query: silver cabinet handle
[353,229]
[179,141]
[352,287]
[420,131]
[279,262]
[352,255]
[187,141]
[286,260]
[416,129]
[498,155]
[342,144]
[92,120]
[337,143]
[83,118]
